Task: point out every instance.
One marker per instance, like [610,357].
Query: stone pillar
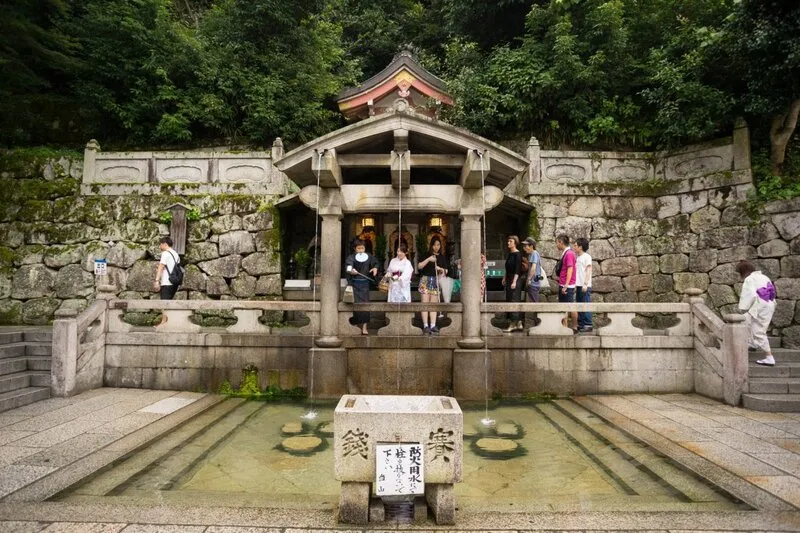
[89,158]
[473,374]
[327,372]
[65,356]
[534,154]
[471,281]
[735,361]
[331,258]
[741,145]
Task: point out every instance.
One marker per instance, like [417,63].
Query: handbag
[348,297]
[383,285]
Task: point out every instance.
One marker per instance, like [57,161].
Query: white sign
[399,469]
[100,268]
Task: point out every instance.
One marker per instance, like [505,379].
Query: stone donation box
[389,449]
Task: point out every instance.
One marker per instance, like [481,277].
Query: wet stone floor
[553,456]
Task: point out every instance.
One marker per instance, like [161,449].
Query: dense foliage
[589,73]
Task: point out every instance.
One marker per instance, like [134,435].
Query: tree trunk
[783,126]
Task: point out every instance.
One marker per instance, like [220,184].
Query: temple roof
[376,136]
[403,75]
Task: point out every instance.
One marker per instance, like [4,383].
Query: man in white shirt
[583,281]
[169,258]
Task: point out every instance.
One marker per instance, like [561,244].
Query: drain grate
[401,512]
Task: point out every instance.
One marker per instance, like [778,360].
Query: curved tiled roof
[402,59]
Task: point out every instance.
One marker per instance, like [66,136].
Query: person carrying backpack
[169,273]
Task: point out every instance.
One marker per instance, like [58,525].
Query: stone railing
[79,350]
[724,161]
[400,317]
[200,172]
[619,314]
[179,312]
[698,352]
[721,370]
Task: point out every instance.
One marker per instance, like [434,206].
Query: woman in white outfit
[757,301]
[399,274]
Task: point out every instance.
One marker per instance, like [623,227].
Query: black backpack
[176,275]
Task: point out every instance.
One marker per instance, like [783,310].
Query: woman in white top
[399,274]
[757,301]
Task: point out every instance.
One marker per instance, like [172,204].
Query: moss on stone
[651,187]
[29,162]
[7,259]
[35,210]
[534,228]
[11,316]
[142,319]
[214,318]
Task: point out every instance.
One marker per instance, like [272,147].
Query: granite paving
[49,445]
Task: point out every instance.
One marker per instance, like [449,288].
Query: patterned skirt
[429,285]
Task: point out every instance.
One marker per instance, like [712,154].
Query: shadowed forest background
[604,74]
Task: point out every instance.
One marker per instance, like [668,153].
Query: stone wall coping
[183,155]
[412,307]
[592,307]
[267,305]
[181,188]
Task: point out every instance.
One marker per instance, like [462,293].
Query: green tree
[762,48]
[270,68]
[138,70]
[35,59]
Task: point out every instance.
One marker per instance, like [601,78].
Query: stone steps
[25,360]
[785,370]
[775,385]
[782,355]
[20,397]
[774,403]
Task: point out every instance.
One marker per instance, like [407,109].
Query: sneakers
[426,330]
[767,361]
[434,329]
[584,329]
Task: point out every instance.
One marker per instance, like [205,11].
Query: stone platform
[49,445]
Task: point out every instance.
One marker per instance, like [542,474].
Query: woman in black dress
[512,281]
[358,267]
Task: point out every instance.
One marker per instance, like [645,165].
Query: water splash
[311,414]
[486,421]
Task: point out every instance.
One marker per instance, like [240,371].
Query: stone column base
[327,372]
[354,503]
[442,502]
[469,374]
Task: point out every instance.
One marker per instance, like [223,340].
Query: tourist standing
[566,276]
[431,268]
[757,301]
[512,282]
[399,274]
[167,263]
[583,281]
[359,266]
[534,274]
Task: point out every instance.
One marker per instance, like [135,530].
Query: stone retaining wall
[51,235]
[685,224]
